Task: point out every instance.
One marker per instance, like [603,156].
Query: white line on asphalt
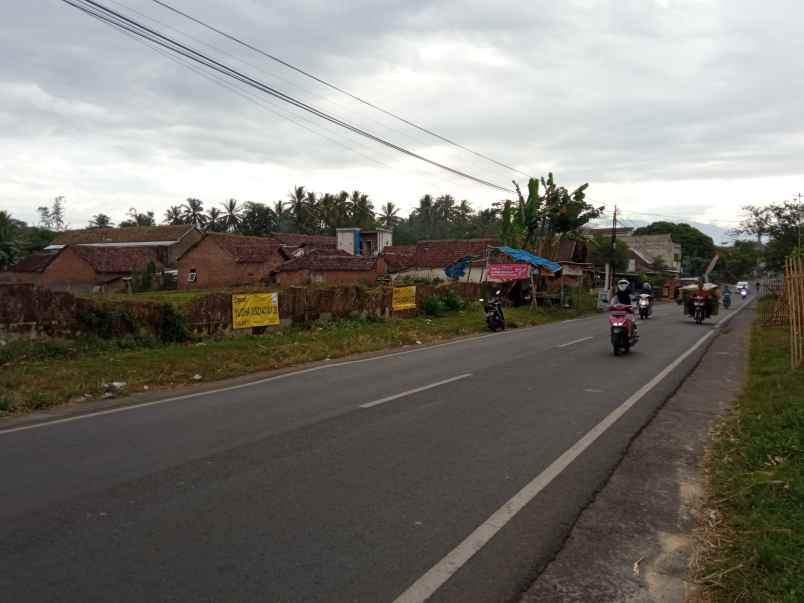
[410,392]
[574,341]
[429,583]
[229,388]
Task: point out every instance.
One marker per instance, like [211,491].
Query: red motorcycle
[623,328]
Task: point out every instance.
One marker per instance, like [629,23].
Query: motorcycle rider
[700,293]
[622,295]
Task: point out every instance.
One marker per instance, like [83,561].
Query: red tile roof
[36,262]
[330,261]
[134,234]
[302,240]
[117,260]
[442,253]
[247,250]
[398,257]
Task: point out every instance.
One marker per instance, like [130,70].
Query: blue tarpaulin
[458,269]
[534,260]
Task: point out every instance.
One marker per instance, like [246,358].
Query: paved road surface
[343,483]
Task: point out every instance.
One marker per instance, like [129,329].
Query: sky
[668,109]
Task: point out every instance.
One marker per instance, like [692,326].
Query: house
[168,242]
[335,267]
[226,260]
[398,257]
[88,269]
[657,247]
[369,243]
[430,258]
[30,269]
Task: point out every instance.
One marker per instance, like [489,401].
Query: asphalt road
[347,482]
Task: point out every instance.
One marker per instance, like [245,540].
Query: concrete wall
[340,277]
[473,274]
[657,246]
[217,269]
[346,239]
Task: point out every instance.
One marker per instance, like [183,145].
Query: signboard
[255,310]
[508,272]
[404,298]
[603,300]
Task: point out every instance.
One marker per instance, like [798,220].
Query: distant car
[742,285]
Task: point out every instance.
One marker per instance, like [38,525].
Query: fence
[794,293]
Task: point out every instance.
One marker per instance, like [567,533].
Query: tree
[283,217]
[781,225]
[52,218]
[361,210]
[9,240]
[232,216]
[258,220]
[100,221]
[601,253]
[214,220]
[193,213]
[174,215]
[138,219]
[388,217]
[302,210]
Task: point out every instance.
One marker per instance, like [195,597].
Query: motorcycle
[727,300]
[495,319]
[623,328]
[699,309]
[645,306]
[743,293]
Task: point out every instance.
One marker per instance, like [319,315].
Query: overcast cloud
[684,108]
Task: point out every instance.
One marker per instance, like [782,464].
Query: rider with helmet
[700,293]
[622,292]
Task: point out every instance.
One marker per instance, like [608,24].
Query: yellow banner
[255,310]
[404,298]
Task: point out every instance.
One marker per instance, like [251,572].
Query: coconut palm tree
[174,215]
[362,210]
[215,220]
[283,217]
[193,213]
[232,216]
[388,217]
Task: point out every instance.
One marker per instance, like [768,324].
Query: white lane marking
[410,392]
[230,388]
[429,583]
[424,587]
[574,341]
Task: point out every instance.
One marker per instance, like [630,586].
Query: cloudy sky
[686,108]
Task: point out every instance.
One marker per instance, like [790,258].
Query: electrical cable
[125,23]
[334,87]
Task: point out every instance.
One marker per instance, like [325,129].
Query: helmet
[700,282]
[623,285]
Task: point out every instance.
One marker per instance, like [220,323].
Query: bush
[6,405]
[453,301]
[172,325]
[105,323]
[434,306]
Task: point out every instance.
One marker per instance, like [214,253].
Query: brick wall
[217,269]
[69,272]
[180,248]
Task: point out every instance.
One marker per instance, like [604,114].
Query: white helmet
[623,285]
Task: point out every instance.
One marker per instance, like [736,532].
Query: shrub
[172,325]
[453,301]
[434,306]
[6,405]
[107,323]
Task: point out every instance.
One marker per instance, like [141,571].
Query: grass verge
[42,373]
[754,550]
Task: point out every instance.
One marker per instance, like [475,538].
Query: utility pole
[613,247]
[797,197]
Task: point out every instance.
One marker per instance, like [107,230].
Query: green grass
[758,481]
[180,297]
[39,374]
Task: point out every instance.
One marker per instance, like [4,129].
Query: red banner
[508,272]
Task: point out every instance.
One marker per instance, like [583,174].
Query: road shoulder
[634,541]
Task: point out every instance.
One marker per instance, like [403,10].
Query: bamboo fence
[794,292]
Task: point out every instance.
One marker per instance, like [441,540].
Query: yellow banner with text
[255,310]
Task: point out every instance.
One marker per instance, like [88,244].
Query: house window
[192,276]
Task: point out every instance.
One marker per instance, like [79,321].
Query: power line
[334,87]
[123,22]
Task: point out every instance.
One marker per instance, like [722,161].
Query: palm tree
[362,210]
[301,210]
[283,217]
[215,221]
[388,217]
[232,216]
[174,215]
[9,240]
[193,213]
